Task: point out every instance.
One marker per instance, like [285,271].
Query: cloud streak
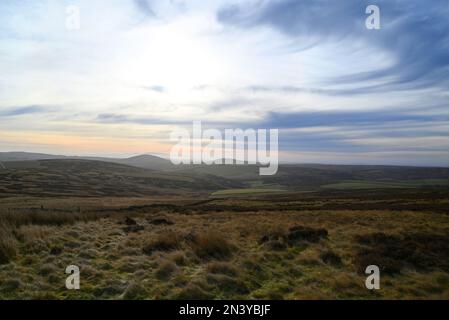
[22,111]
[416,34]
[145,7]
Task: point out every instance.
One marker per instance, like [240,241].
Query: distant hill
[141,161]
[144,161]
[75,177]
[25,156]
[148,162]
[146,173]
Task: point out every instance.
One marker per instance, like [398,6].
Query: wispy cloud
[145,7]
[416,34]
[351,118]
[155,88]
[20,111]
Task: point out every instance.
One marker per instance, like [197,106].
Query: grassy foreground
[306,248]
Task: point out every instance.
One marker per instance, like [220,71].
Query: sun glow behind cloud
[135,69]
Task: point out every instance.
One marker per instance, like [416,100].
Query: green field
[245,191]
[403,184]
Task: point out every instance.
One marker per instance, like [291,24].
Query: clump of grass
[110,288]
[194,291]
[91,273]
[278,239]
[211,245]
[164,242]
[273,234]
[134,291]
[220,267]
[253,265]
[275,245]
[10,285]
[331,258]
[162,220]
[47,269]
[303,233]
[88,253]
[56,250]
[8,243]
[227,284]
[166,269]
[178,257]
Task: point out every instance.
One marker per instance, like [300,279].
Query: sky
[135,70]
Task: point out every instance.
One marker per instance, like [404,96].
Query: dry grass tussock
[8,243]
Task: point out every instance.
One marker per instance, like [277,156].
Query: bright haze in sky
[136,69]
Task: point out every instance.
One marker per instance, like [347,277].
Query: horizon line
[163,158]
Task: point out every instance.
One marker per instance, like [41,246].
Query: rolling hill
[27,173]
[141,161]
[70,177]
[25,156]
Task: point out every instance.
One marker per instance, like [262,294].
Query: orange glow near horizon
[71,144]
